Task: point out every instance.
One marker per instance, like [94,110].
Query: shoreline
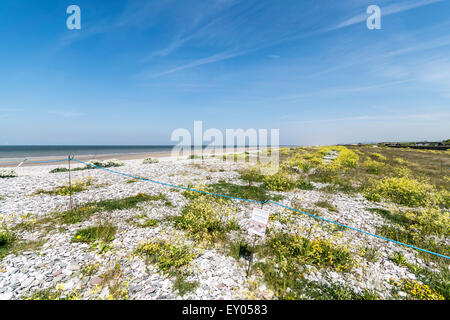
[165,155]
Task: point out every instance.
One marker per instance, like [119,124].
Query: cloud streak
[421,116]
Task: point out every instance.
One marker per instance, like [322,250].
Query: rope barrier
[263,202]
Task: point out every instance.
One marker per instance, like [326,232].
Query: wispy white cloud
[420,116]
[66,114]
[211,59]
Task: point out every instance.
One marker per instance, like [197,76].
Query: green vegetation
[403,190]
[9,244]
[206,221]
[141,220]
[172,259]
[77,186]
[240,249]
[150,161]
[426,228]
[83,212]
[243,192]
[416,290]
[50,294]
[279,182]
[304,184]
[326,205]
[98,236]
[7,173]
[104,164]
[288,256]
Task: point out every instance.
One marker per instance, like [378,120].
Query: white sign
[259,221]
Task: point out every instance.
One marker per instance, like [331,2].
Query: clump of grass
[77,186]
[102,233]
[9,244]
[7,239]
[252,175]
[47,294]
[370,254]
[90,269]
[326,205]
[172,259]
[150,161]
[118,290]
[206,221]
[304,184]
[7,173]
[240,249]
[182,285]
[166,255]
[144,222]
[83,212]
[244,192]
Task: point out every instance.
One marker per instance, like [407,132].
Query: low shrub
[304,184]
[252,175]
[7,173]
[166,255]
[279,182]
[150,161]
[401,190]
[288,255]
[6,238]
[206,221]
[373,167]
[417,290]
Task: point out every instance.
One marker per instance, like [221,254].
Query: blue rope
[265,201]
[362,231]
[170,185]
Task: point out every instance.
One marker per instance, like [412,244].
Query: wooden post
[251,255]
[70,184]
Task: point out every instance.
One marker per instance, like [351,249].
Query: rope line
[168,184]
[362,231]
[263,202]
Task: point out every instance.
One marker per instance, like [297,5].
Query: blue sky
[138,69]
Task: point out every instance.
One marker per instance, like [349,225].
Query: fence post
[70,157]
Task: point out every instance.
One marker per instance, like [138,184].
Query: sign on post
[258,222]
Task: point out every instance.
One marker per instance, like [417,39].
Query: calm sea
[50,151]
